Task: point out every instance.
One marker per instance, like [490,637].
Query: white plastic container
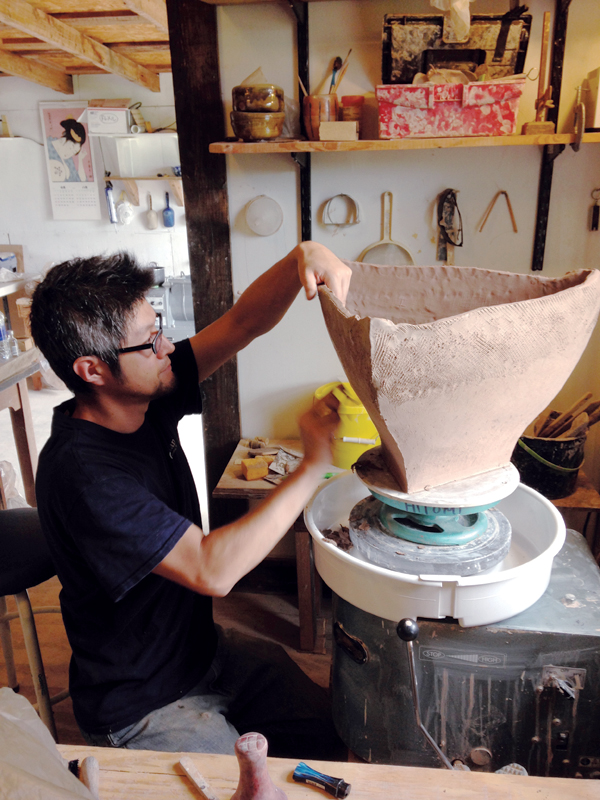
[538,534]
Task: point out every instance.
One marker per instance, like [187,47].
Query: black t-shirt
[112,506]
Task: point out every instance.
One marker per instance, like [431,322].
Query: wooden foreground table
[131,774]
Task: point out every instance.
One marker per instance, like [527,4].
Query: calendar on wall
[69,161]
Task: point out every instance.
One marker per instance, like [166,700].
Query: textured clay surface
[452,363]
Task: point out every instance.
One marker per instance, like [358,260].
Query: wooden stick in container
[577,428]
[556,424]
[302,86]
[341,73]
[594,418]
[592,408]
[541,421]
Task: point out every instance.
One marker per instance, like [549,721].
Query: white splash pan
[538,534]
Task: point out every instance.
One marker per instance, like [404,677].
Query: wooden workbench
[14,396]
[232,484]
[131,774]
[584,499]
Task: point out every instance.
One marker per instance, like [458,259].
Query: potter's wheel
[449,529]
[509,587]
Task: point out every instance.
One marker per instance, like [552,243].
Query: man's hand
[317,428]
[316,265]
[213,564]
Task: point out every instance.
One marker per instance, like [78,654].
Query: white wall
[26,213]
[25,210]
[279,373]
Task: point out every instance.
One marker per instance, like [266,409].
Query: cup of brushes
[168,214]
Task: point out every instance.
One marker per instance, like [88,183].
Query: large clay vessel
[452,363]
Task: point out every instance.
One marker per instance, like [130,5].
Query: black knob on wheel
[407,629]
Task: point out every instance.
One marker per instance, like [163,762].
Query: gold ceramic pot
[264,97]
[252,127]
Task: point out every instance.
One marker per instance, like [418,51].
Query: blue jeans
[252,685]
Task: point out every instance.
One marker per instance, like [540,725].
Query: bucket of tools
[550,453]
[550,466]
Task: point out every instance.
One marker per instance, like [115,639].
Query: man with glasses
[118,505]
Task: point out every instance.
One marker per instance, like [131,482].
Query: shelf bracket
[132,191]
[300,10]
[554,150]
[303,161]
[176,186]
[550,152]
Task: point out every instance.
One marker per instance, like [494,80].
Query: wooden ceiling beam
[87,19]
[159,47]
[155,11]
[23,16]
[32,71]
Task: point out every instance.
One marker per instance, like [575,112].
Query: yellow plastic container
[356,426]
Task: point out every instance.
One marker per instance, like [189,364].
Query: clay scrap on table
[452,363]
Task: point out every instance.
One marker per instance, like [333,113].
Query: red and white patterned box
[481,108]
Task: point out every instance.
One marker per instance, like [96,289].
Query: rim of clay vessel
[467,356]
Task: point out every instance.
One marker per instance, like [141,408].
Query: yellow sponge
[254,468]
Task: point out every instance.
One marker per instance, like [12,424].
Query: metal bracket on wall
[303,161]
[550,152]
[300,10]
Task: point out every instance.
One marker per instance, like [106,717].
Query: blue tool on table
[334,786]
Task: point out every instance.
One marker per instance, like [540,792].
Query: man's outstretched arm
[265,302]
[213,564]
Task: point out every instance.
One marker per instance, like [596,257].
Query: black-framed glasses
[153,345]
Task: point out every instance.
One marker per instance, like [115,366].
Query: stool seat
[25,559]
[25,562]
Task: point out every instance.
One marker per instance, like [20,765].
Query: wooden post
[199,112]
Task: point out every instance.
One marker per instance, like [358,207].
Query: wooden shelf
[9,287]
[297,146]
[132,191]
[131,135]
[245,2]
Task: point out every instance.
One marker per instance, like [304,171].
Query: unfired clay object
[255,782]
[452,363]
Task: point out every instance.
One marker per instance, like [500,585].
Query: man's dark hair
[82,308]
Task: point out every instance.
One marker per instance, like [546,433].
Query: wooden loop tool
[491,206]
